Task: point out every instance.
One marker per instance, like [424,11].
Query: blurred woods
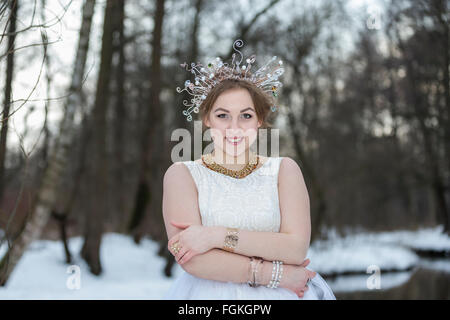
[367,120]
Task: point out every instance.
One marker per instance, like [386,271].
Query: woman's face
[233,115]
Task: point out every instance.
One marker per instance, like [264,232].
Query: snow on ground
[359,282]
[133,271]
[425,239]
[130,271]
[387,250]
[353,256]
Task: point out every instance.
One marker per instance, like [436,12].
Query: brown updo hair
[261,100]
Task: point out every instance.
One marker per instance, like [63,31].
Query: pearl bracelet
[277,272]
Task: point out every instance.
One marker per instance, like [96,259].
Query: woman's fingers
[180,253]
[305,263]
[302,292]
[186,257]
[172,241]
[310,274]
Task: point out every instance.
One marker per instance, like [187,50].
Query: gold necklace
[251,165]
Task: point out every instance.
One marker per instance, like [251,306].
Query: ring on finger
[176,244]
[176,247]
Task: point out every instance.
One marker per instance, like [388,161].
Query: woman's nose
[234,124]
[234,128]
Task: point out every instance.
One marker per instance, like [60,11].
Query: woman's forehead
[234,99]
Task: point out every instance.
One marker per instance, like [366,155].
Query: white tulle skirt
[189,287]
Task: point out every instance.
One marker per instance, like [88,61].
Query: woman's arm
[289,248]
[225,266]
[221,265]
[291,244]
[180,203]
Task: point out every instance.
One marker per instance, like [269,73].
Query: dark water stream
[429,280]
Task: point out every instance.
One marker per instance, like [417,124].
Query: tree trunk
[150,177]
[431,155]
[446,84]
[181,122]
[8,88]
[46,196]
[317,193]
[120,120]
[98,170]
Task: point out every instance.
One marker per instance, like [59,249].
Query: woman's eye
[225,115]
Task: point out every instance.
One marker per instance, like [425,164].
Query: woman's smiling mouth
[234,141]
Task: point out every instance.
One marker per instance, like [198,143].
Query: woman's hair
[261,100]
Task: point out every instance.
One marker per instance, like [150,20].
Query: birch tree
[46,196]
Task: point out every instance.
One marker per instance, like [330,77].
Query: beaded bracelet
[280,264]
[272,281]
[277,272]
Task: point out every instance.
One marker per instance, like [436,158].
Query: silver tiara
[207,77]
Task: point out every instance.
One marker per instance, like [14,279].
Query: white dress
[249,203]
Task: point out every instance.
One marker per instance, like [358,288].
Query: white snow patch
[133,271]
[130,271]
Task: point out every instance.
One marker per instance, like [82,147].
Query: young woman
[239,223]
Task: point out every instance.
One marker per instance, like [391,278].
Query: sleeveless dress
[221,203]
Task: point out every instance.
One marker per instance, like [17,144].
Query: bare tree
[45,199]
[150,184]
[301,40]
[98,170]
[245,27]
[120,119]
[419,84]
[13,6]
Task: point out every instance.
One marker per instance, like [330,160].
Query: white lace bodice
[249,203]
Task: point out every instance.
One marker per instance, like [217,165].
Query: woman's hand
[295,278]
[193,240]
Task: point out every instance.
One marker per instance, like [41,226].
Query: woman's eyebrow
[243,110]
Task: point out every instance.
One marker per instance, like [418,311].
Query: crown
[207,77]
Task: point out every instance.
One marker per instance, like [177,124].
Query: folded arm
[291,244]
[289,248]
[220,265]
